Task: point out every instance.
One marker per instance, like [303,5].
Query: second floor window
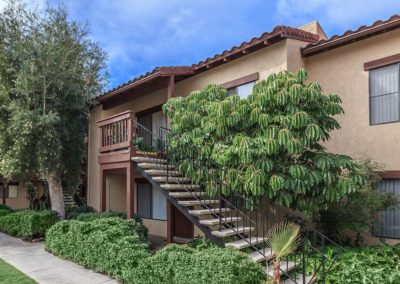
[384,94]
[242,90]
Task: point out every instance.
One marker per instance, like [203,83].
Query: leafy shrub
[73,213]
[4,212]
[88,217]
[4,206]
[366,265]
[357,211]
[139,227]
[28,223]
[107,245]
[179,264]
[268,144]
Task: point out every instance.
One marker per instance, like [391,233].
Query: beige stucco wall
[266,61]
[341,71]
[22,201]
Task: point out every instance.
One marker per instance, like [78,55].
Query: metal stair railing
[310,256]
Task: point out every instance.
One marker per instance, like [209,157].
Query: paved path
[45,268]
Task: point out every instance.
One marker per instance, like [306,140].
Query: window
[384,94]
[151,203]
[9,192]
[389,221]
[242,90]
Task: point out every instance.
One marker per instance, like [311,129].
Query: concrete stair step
[231,232]
[244,243]
[300,280]
[155,172]
[262,254]
[168,186]
[216,221]
[197,202]
[208,211]
[171,179]
[155,166]
[149,160]
[179,194]
[285,267]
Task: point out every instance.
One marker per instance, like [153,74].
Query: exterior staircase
[217,218]
[227,218]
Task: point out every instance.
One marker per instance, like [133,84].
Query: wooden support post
[171,93]
[170,222]
[103,191]
[130,181]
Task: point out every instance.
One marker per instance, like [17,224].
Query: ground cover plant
[367,265]
[107,245]
[5,210]
[28,224]
[74,212]
[10,275]
[269,144]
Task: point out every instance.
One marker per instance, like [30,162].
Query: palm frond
[284,238]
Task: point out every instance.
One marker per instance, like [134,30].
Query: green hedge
[88,217]
[179,264]
[28,223]
[107,245]
[4,206]
[74,212]
[5,210]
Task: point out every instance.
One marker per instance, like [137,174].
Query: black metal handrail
[308,255]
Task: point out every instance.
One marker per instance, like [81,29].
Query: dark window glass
[388,224]
[144,200]
[384,94]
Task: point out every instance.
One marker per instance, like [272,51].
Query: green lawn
[10,275]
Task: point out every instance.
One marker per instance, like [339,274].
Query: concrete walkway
[43,267]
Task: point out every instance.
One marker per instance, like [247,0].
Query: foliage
[88,217]
[142,146]
[266,145]
[140,229]
[4,212]
[201,243]
[73,213]
[50,71]
[10,275]
[109,245]
[357,211]
[283,239]
[182,264]
[367,265]
[28,223]
[4,206]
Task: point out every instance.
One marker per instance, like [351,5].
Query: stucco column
[102,207]
[130,180]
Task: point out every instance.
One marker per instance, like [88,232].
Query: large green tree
[267,145]
[50,70]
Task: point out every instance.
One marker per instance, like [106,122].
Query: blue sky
[139,35]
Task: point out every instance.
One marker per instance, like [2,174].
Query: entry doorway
[152,119]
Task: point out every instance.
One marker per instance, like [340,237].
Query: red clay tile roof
[267,38]
[351,36]
[277,34]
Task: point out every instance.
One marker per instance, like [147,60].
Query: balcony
[122,137]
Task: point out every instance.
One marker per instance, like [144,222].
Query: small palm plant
[283,239]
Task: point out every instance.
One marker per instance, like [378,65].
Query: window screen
[144,200]
[243,90]
[151,203]
[384,94]
[159,205]
[13,191]
[389,221]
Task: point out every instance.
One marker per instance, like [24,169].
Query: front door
[152,121]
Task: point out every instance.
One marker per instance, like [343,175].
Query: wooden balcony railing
[116,132]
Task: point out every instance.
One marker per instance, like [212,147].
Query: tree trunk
[56,195]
